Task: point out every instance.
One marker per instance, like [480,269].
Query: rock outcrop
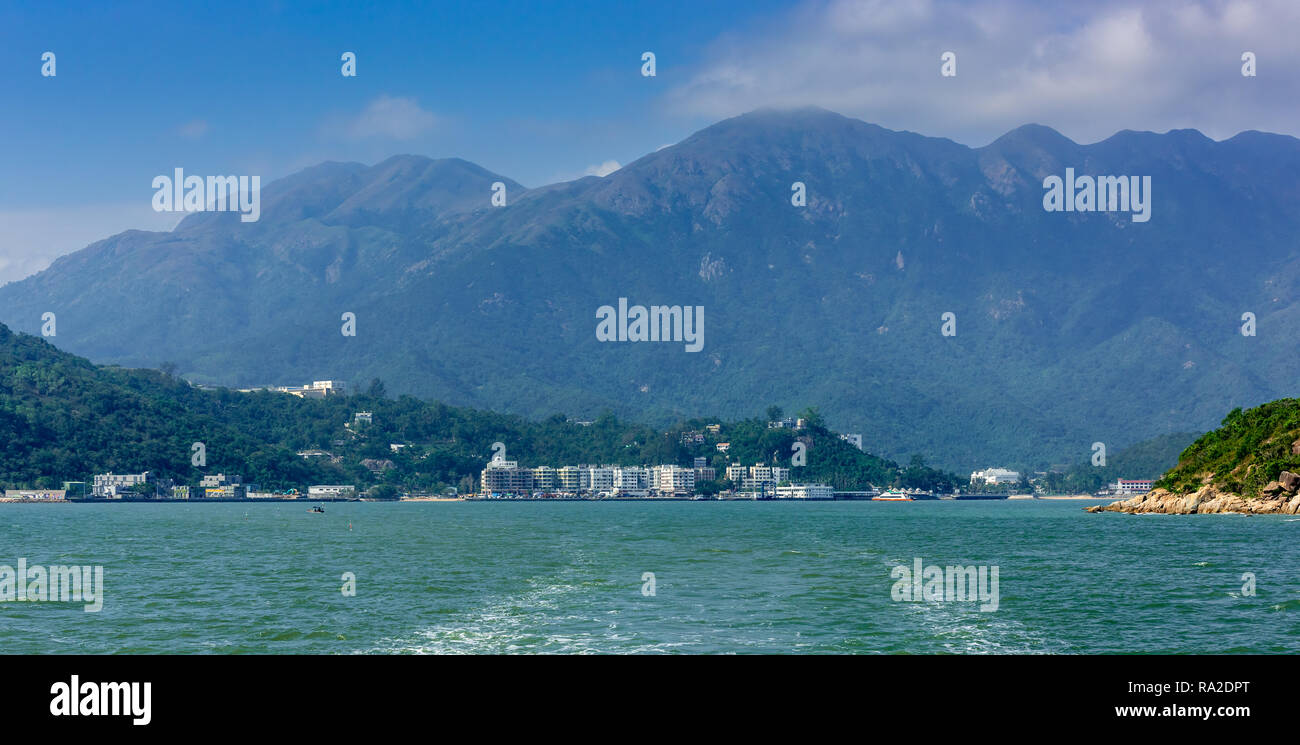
[1208,500]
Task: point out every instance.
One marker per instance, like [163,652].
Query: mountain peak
[1033,135]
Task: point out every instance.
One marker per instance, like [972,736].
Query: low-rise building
[1133,486]
[805,491]
[35,495]
[118,485]
[220,479]
[993,476]
[331,491]
[317,389]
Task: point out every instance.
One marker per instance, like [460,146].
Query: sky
[551,91]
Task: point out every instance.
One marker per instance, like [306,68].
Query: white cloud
[602,170]
[32,238]
[1088,69]
[390,118]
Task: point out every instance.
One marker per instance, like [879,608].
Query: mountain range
[1071,327]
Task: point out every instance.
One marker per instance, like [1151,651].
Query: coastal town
[719,477]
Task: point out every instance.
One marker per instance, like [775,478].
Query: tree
[774,413]
[812,417]
[144,490]
[382,491]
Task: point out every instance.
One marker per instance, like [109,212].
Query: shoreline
[1013,499]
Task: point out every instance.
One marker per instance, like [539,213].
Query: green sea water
[729,577]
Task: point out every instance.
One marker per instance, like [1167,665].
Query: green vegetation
[63,419]
[1251,449]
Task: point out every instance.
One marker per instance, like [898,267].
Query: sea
[704,577]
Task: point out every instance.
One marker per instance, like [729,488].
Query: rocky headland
[1209,500]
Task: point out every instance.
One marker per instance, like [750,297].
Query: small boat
[317,509]
[893,495]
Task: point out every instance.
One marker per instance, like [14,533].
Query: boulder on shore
[1289,481]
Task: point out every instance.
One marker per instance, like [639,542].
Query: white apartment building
[545,478]
[631,481]
[757,476]
[600,478]
[570,478]
[674,480]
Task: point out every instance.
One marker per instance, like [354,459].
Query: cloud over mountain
[1087,69]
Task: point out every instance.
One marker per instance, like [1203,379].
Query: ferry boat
[856,495]
[893,495]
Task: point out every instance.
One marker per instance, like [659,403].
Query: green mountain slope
[1072,328]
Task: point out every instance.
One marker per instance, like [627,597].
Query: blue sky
[547,91]
[533,90]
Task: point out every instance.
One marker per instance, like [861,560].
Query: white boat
[893,495]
